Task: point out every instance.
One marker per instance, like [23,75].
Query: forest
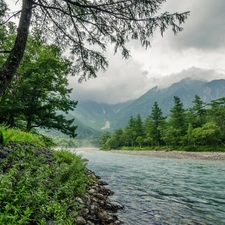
[199,128]
[38,96]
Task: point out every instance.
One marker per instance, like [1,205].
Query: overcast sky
[198,52]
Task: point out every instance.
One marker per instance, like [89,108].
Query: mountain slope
[94,118]
[186,89]
[96,115]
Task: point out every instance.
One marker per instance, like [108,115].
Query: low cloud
[193,73]
[204,28]
[133,83]
[124,80]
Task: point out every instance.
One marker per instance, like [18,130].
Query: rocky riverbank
[177,154]
[96,208]
[56,187]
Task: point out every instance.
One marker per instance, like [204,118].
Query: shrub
[38,185]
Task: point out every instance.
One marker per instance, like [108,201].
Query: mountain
[186,90]
[93,118]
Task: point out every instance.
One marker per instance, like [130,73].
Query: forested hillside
[200,127]
[186,90]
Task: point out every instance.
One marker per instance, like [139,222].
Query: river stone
[93,209]
[91,191]
[50,222]
[79,200]
[84,211]
[116,206]
[101,182]
[80,220]
[102,215]
[90,223]
[100,196]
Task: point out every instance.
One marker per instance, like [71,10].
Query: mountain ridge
[103,116]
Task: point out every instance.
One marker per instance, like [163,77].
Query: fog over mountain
[118,89]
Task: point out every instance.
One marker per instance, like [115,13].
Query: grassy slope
[38,185]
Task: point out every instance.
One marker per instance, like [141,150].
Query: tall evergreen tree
[199,111]
[138,126]
[177,126]
[216,113]
[177,116]
[157,119]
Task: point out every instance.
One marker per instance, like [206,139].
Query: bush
[38,185]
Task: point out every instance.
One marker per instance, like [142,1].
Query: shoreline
[175,154]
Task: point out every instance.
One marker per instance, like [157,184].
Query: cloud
[120,88]
[197,52]
[124,80]
[193,73]
[204,29]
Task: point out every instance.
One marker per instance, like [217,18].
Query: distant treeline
[201,127]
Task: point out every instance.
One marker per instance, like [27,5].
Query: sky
[197,52]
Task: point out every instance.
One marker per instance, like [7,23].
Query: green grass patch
[38,185]
[16,135]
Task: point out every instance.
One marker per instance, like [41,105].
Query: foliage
[103,139]
[65,142]
[177,115]
[16,135]
[38,186]
[38,95]
[153,123]
[198,128]
[81,24]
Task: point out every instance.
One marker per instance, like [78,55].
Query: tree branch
[4,51]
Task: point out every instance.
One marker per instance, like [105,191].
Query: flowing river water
[162,191]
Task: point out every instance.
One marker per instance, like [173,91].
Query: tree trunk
[29,124]
[12,63]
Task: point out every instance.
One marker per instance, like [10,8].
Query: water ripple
[162,191]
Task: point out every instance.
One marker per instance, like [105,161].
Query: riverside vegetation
[43,186]
[199,128]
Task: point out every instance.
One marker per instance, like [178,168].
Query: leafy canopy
[82,24]
[38,95]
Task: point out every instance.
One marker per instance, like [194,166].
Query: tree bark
[12,63]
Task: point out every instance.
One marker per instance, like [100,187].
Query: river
[162,191]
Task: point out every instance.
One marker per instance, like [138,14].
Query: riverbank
[40,185]
[176,154]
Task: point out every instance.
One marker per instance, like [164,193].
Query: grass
[188,148]
[16,135]
[38,185]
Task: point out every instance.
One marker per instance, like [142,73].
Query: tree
[172,136]
[208,134]
[103,139]
[3,8]
[138,126]
[199,111]
[80,24]
[177,116]
[118,136]
[177,125]
[157,119]
[140,140]
[217,113]
[38,95]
